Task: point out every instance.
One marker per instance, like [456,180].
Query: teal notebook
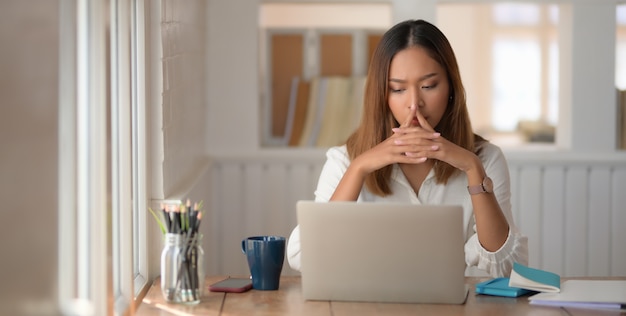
[534,279]
[500,287]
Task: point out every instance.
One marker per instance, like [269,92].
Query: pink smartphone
[232,285]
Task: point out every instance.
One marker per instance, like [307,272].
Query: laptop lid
[382,252]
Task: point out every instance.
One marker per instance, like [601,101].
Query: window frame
[83,212]
[546,34]
[139,148]
[102,239]
[477,59]
[121,231]
[129,180]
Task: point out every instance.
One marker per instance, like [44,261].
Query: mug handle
[243,246]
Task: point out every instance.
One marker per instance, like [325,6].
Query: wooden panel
[372,42]
[287,300]
[287,60]
[530,208]
[618,222]
[336,55]
[553,212]
[576,232]
[599,217]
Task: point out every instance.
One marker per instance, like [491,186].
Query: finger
[415,136]
[409,119]
[428,152]
[423,122]
[419,150]
[412,160]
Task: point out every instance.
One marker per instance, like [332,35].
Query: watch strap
[486,186]
[476,189]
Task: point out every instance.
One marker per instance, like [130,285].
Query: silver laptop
[376,252]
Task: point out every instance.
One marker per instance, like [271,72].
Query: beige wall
[28,155]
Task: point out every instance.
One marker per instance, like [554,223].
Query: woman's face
[416,78]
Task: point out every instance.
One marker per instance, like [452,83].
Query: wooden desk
[288,301]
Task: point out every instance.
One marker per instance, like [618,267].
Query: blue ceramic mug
[265,256]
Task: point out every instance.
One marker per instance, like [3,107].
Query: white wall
[588,108]
[233,96]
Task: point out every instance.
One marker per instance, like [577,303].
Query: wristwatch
[485,187]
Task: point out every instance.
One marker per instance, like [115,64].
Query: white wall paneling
[571,207]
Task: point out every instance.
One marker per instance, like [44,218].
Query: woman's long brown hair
[377,120]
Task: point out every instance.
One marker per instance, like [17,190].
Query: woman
[415,144]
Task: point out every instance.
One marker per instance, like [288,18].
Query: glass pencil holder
[182,268]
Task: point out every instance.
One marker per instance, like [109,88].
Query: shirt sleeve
[515,249]
[336,164]
[293,249]
[500,262]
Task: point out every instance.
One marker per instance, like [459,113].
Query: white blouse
[496,264]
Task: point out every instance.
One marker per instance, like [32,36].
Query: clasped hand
[414,144]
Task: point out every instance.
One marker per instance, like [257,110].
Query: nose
[416,98]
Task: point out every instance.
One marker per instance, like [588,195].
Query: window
[138,144]
[83,203]
[509,64]
[102,198]
[128,141]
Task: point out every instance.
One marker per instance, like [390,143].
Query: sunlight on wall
[371,15]
[620,53]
